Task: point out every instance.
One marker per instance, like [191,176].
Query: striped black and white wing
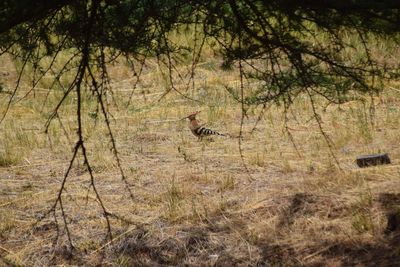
[202,131]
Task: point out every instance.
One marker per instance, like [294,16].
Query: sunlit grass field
[283,201]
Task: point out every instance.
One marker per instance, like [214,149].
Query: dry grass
[195,203]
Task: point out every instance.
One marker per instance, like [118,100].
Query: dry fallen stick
[162,121]
[23,198]
[11,253]
[395,89]
[318,252]
[44,163]
[114,239]
[6,250]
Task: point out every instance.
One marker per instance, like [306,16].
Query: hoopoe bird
[197,129]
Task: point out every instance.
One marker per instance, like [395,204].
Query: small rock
[373,160]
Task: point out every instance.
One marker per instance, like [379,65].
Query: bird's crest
[192,116]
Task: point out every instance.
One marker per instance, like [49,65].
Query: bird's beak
[197,112]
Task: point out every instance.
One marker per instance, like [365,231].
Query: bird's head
[192,116]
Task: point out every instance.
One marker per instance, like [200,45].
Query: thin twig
[327,139]
[110,132]
[243,113]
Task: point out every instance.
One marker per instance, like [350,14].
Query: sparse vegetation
[282,190]
[194,199]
